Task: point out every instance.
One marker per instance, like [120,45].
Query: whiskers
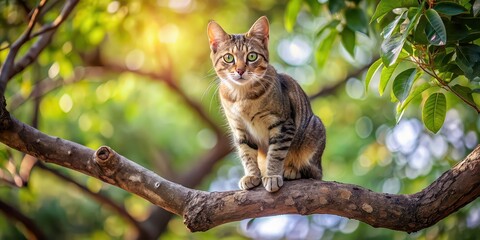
[260,78]
[213,84]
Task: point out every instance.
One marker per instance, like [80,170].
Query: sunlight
[169,33]
[295,51]
[65,103]
[180,5]
[135,59]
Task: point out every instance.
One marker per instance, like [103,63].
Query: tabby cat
[275,132]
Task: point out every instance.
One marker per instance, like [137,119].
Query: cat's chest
[255,118]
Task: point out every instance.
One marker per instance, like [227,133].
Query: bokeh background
[136,75]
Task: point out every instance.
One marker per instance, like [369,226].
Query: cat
[274,130]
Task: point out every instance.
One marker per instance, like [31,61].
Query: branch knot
[107,159]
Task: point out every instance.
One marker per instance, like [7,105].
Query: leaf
[348,40]
[447,58]
[388,30]
[472,36]
[384,7]
[434,111]
[465,92]
[402,84]
[291,13]
[419,35]
[436,32]
[314,6]
[468,57]
[385,76]
[455,31]
[476,7]
[357,20]
[415,92]
[371,71]
[449,8]
[323,50]
[332,24]
[471,22]
[335,6]
[391,48]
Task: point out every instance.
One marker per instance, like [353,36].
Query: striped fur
[275,132]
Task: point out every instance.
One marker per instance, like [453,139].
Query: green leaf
[391,48]
[419,35]
[468,59]
[332,24]
[455,31]
[436,32]
[386,6]
[335,6]
[385,76]
[471,22]
[447,58]
[314,6]
[476,7]
[434,111]
[388,30]
[323,50]
[415,92]
[449,8]
[348,41]
[465,92]
[371,71]
[357,20]
[291,13]
[402,84]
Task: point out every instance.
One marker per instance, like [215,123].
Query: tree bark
[204,210]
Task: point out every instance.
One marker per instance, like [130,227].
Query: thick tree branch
[204,210]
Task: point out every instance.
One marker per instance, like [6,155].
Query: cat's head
[239,59]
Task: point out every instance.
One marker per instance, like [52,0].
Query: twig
[334,87]
[167,78]
[53,25]
[10,60]
[120,210]
[10,68]
[47,85]
[33,232]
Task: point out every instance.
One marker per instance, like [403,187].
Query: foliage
[134,74]
[439,39]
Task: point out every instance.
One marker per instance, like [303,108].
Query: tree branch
[168,79]
[10,68]
[33,231]
[334,87]
[204,210]
[119,209]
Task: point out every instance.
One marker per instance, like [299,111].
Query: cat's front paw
[291,173]
[272,183]
[249,182]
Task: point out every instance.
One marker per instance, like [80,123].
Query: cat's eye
[228,58]
[252,56]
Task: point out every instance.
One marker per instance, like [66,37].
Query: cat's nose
[240,71]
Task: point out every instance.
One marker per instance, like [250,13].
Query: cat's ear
[260,29]
[216,34]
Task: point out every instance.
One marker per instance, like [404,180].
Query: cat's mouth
[239,80]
